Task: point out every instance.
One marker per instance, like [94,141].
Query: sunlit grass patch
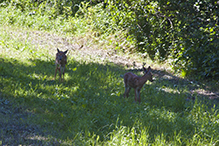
[88,107]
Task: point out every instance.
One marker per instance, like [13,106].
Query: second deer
[61,61]
[131,80]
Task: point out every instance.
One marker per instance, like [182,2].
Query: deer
[131,80]
[61,61]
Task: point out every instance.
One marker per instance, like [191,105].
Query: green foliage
[103,24]
[197,48]
[51,8]
[88,107]
[185,32]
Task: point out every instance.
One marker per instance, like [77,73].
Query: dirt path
[76,46]
[81,49]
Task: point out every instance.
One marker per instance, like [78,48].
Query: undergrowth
[88,108]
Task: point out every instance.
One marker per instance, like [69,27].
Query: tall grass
[88,107]
[89,23]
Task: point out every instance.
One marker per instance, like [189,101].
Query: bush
[185,32]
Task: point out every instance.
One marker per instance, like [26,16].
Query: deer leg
[126,94]
[63,76]
[63,73]
[59,74]
[55,73]
[137,95]
[129,88]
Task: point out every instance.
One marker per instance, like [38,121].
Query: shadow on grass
[89,100]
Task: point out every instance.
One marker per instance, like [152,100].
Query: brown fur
[61,61]
[133,81]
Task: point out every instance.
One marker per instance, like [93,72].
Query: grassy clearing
[88,108]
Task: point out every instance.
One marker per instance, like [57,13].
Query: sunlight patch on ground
[169,90]
[203,92]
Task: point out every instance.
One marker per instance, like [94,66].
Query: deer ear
[66,51]
[58,50]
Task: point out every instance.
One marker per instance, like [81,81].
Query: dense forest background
[186,32]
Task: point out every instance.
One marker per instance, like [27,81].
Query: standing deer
[133,81]
[61,60]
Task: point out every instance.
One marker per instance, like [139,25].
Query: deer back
[134,81]
[131,79]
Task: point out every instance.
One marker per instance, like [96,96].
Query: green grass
[88,107]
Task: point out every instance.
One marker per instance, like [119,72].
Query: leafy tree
[184,31]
